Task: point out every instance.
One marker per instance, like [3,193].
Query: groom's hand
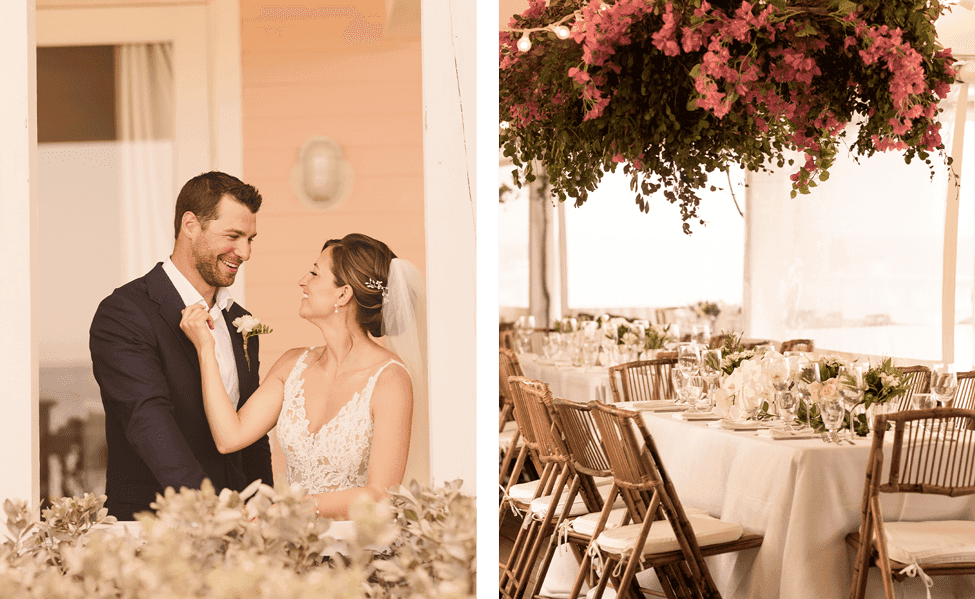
[197,324]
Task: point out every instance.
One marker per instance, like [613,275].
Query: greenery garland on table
[882,384]
[676,89]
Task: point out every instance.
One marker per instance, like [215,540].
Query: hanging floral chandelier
[675,90]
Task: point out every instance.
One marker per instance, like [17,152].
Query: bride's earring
[336,308]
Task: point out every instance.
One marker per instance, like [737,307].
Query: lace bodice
[337,456]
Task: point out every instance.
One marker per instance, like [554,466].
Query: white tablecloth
[803,495]
[575,383]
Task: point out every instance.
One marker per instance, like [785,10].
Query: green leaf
[846,6]
[824,176]
[808,30]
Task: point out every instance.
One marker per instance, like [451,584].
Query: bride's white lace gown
[337,456]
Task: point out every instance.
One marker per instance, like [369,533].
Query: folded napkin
[661,405]
[783,433]
[743,426]
[697,416]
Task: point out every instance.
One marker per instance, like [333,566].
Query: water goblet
[779,374]
[694,393]
[787,403]
[923,401]
[832,412]
[711,370]
[850,386]
[944,385]
[689,358]
[807,373]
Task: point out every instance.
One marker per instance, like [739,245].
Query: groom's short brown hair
[201,196]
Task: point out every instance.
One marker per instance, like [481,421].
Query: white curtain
[145,105]
[857,264]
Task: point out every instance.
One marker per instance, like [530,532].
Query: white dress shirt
[221,334]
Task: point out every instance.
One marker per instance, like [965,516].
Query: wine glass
[788,404]
[832,412]
[694,393]
[944,385]
[851,388]
[807,373]
[779,369]
[524,327]
[689,358]
[711,370]
[923,401]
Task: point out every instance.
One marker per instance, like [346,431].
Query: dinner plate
[661,405]
[743,426]
[697,416]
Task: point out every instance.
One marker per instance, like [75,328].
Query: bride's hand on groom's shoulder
[197,324]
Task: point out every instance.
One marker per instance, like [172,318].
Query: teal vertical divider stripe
[487,296]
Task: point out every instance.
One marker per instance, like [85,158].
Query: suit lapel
[237,339]
[162,291]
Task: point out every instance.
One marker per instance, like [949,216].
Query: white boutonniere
[249,326]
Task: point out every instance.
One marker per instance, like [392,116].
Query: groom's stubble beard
[207,265]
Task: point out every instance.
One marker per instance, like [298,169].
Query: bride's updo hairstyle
[357,259]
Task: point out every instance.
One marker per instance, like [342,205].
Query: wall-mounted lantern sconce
[321,178]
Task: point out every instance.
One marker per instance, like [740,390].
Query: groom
[148,370]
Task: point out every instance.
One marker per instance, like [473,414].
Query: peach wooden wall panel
[322,69]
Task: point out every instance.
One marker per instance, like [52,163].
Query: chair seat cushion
[523,491]
[708,530]
[540,506]
[931,542]
[586,525]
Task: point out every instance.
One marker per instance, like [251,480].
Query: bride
[344,409]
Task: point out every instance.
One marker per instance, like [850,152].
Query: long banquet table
[803,495]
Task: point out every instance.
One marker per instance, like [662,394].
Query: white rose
[246,323]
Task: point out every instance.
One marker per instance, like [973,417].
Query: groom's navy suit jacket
[149,376]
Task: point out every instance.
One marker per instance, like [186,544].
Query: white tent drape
[145,112]
[859,264]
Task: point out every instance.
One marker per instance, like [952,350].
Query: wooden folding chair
[590,463]
[540,513]
[928,456]
[797,345]
[664,537]
[516,496]
[643,380]
[920,382]
[509,439]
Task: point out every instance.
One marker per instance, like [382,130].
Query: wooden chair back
[965,395]
[523,419]
[920,381]
[508,366]
[928,456]
[586,452]
[643,380]
[649,495]
[797,345]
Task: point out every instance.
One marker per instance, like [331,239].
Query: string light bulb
[561,32]
[525,43]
